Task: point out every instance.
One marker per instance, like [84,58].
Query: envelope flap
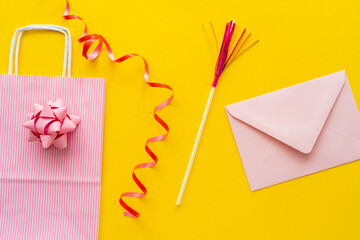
[293,115]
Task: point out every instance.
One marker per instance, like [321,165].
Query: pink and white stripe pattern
[50,193]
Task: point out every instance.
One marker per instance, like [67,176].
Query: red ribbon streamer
[89,40]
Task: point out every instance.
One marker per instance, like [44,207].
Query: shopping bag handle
[17,35]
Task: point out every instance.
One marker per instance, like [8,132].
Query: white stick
[195,146]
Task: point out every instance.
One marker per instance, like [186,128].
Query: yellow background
[299,41]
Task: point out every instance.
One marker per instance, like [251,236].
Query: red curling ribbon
[89,40]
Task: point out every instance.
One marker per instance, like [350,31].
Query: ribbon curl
[89,40]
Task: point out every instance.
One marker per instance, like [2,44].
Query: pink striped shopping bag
[50,193]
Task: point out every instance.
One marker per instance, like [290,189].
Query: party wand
[226,56]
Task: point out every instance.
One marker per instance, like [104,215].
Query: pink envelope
[297,130]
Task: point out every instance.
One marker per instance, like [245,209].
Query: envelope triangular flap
[293,115]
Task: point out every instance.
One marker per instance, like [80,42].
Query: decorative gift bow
[51,124]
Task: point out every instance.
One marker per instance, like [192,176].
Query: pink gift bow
[51,124]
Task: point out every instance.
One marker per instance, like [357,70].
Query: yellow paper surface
[299,41]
